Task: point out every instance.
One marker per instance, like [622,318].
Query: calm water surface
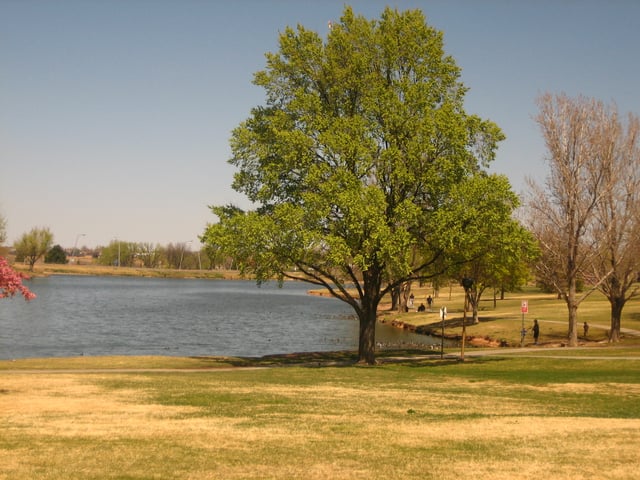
[75,315]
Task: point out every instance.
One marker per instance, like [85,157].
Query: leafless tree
[580,138]
[150,254]
[617,223]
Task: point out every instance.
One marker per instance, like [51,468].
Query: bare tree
[172,255]
[150,254]
[617,223]
[578,135]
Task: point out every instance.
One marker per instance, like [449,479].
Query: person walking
[586,329]
[536,331]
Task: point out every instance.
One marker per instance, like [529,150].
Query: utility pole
[467,284]
[75,246]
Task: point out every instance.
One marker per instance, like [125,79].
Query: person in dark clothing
[536,331]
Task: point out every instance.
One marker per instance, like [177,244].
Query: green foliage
[33,245]
[56,255]
[490,246]
[117,253]
[358,161]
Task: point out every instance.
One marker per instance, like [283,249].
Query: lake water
[77,315]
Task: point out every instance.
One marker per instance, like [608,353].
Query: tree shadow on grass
[436,361]
[405,357]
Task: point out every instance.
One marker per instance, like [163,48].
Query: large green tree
[353,163]
[33,245]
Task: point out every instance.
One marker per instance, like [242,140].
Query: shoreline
[47,270]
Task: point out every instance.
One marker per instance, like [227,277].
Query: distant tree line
[37,244]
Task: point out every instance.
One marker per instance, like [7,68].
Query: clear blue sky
[115,115]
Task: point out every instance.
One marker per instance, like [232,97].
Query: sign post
[443,317]
[524,308]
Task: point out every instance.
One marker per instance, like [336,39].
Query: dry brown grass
[305,423]
[45,269]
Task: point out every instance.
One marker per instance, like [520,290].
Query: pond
[86,315]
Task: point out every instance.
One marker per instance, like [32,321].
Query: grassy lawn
[423,418]
[504,320]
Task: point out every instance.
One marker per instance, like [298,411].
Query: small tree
[33,245]
[488,245]
[175,254]
[150,254]
[504,266]
[56,255]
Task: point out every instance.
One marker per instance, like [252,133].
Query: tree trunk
[572,306]
[367,338]
[395,299]
[474,300]
[572,337]
[474,307]
[617,304]
[403,296]
[368,316]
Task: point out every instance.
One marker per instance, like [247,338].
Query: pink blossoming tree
[11,282]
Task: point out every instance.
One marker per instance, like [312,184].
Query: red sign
[525,307]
